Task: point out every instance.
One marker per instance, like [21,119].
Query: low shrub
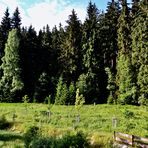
[31,134]
[76,141]
[4,124]
[128,114]
[43,142]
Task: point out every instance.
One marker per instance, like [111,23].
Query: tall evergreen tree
[71,49]
[61,92]
[11,83]
[93,69]
[124,65]
[108,44]
[108,34]
[4,30]
[135,6]
[140,51]
[30,61]
[41,88]
[16,19]
[46,65]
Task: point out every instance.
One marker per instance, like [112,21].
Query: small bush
[128,114]
[30,135]
[76,141]
[49,142]
[4,123]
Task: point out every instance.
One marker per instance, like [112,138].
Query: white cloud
[50,12]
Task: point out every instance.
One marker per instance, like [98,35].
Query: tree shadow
[10,137]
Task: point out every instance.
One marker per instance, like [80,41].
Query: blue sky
[52,12]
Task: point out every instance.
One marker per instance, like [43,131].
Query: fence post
[132,140]
[114,135]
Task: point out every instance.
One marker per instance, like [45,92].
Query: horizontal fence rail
[131,140]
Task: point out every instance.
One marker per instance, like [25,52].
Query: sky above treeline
[41,12]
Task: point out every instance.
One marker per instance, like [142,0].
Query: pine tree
[4,30]
[11,83]
[42,88]
[71,94]
[61,92]
[135,7]
[30,61]
[57,39]
[93,69]
[108,35]
[140,51]
[71,49]
[124,66]
[111,86]
[16,19]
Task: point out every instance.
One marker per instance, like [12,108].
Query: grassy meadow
[97,121]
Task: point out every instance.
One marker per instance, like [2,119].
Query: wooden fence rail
[131,140]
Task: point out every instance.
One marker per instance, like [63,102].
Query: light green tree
[111,86]
[124,75]
[61,93]
[140,51]
[11,83]
[80,100]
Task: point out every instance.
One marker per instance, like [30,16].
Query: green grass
[95,121]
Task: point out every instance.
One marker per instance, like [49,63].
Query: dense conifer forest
[105,58]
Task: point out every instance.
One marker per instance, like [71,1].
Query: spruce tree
[135,7]
[108,35]
[93,69]
[61,92]
[108,44]
[57,39]
[140,51]
[111,86]
[41,88]
[71,49]
[4,30]
[30,61]
[11,83]
[71,94]
[124,66]
[16,19]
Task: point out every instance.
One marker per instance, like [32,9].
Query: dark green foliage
[45,143]
[140,52]
[111,86]
[42,88]
[108,35]
[16,19]
[10,137]
[31,134]
[77,141]
[128,114]
[92,63]
[70,55]
[125,71]
[4,124]
[71,94]
[80,52]
[31,65]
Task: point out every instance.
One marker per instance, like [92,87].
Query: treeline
[105,58]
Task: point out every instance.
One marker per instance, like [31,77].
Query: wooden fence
[131,140]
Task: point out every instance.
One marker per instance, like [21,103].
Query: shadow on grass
[10,137]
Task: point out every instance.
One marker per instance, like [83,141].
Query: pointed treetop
[16,19]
